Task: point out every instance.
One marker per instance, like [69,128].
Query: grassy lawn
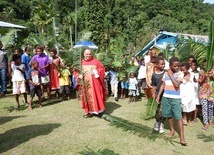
[59,128]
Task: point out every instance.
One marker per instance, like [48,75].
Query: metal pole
[75,20]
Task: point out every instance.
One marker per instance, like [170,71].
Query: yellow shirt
[64,78]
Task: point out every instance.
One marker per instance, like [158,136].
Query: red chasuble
[93,90]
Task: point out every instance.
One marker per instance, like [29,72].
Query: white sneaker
[161,128]
[157,126]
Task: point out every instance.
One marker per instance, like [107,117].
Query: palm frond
[131,69]
[117,64]
[8,38]
[210,51]
[100,56]
[135,128]
[89,151]
[151,107]
[206,138]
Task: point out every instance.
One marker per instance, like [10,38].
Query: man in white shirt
[114,83]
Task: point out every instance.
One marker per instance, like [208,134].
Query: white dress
[187,92]
[196,86]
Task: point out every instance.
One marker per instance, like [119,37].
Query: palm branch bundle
[151,107]
[135,128]
[210,51]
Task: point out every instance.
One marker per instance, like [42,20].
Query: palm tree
[186,47]
[8,14]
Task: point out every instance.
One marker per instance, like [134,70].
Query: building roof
[5,24]
[165,38]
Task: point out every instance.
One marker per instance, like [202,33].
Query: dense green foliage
[116,25]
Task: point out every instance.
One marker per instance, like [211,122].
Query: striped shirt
[170,91]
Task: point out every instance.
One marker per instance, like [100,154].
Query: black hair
[195,61]
[192,56]
[161,54]
[185,64]
[35,46]
[16,57]
[158,59]
[54,50]
[173,59]
[142,59]
[205,60]
[33,62]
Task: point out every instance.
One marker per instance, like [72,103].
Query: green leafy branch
[89,151]
[135,128]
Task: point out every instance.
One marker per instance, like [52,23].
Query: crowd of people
[183,91]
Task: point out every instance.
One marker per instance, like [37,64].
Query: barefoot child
[171,100]
[205,94]
[54,66]
[194,67]
[157,77]
[34,81]
[187,92]
[18,79]
[132,88]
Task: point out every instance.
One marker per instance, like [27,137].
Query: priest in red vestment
[93,86]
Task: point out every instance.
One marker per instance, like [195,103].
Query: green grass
[59,128]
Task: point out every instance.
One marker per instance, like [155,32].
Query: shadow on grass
[166,125]
[89,151]
[50,102]
[17,136]
[206,138]
[136,128]
[35,105]
[8,119]
[111,106]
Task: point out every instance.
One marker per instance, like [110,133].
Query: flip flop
[183,143]
[206,129]
[87,115]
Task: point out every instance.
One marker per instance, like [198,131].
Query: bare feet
[29,108]
[171,134]
[184,122]
[205,127]
[195,120]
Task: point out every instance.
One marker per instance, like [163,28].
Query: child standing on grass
[18,79]
[124,88]
[157,77]
[205,94]
[34,80]
[194,68]
[142,77]
[171,100]
[54,66]
[64,81]
[132,88]
[187,91]
[114,83]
